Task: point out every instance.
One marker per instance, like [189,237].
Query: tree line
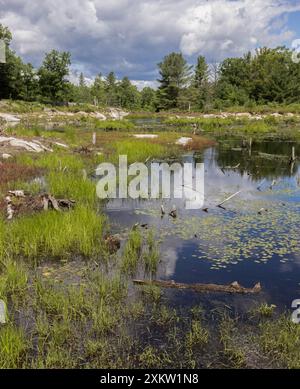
[266,76]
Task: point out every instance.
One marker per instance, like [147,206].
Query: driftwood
[113,243]
[16,193]
[9,208]
[50,202]
[25,202]
[235,287]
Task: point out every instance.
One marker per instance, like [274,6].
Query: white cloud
[141,84]
[131,36]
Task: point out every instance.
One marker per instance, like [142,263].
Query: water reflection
[241,242]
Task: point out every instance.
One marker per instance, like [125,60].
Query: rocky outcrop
[99,116]
[9,118]
[183,141]
[117,114]
[33,146]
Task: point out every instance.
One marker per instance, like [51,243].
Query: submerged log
[235,287]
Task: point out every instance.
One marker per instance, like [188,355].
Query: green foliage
[52,76]
[139,150]
[12,347]
[265,310]
[175,74]
[233,353]
[280,339]
[267,76]
[13,278]
[56,235]
[197,337]
[132,252]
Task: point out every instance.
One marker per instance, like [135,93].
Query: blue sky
[294,22]
[131,36]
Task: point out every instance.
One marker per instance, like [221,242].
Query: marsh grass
[114,125]
[138,150]
[151,293]
[12,346]
[233,354]
[265,310]
[164,316]
[198,335]
[58,161]
[13,278]
[232,125]
[72,186]
[132,252]
[280,340]
[151,256]
[152,358]
[56,235]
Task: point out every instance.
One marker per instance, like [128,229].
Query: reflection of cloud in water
[170,258]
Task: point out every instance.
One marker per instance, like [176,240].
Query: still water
[254,239]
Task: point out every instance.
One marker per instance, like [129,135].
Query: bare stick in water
[229,198]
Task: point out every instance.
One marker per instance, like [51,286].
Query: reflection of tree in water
[263,159]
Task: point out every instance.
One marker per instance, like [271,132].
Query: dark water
[255,239]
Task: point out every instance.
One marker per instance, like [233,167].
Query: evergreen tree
[201,83]
[52,76]
[112,98]
[98,90]
[175,74]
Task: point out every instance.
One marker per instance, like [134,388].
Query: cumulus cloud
[131,36]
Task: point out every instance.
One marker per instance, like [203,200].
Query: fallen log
[17,193]
[235,287]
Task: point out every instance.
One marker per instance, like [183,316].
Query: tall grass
[113,125]
[72,186]
[138,150]
[132,252]
[53,161]
[13,278]
[12,347]
[280,339]
[2,238]
[56,235]
[151,256]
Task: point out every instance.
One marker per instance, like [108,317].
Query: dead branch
[235,287]
[25,202]
[229,198]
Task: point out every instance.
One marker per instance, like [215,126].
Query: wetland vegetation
[67,271]
[70,300]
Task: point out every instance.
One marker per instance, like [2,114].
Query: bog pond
[254,239]
[69,260]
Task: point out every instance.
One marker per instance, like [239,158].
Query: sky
[130,37]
